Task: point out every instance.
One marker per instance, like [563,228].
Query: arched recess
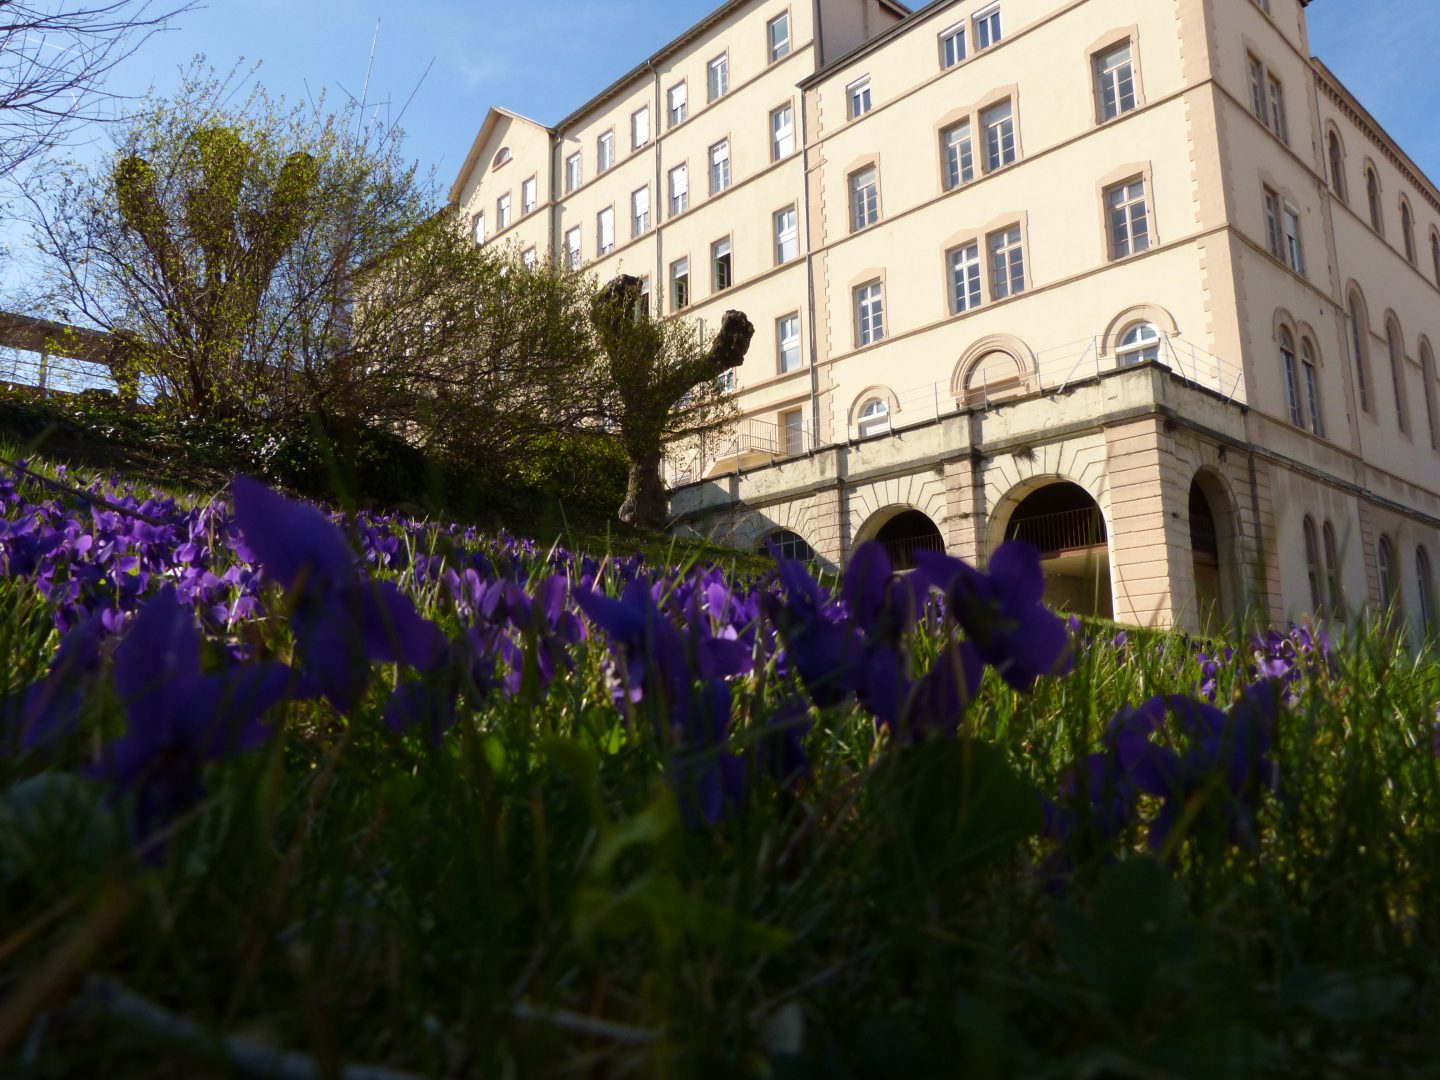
[1335,160]
[788,544]
[994,368]
[1065,524]
[902,531]
[870,393]
[1154,314]
[1214,551]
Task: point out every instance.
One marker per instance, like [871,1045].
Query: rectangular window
[1007,264]
[864,199]
[639,211]
[787,342]
[782,133]
[792,428]
[572,248]
[605,230]
[959,152]
[678,103]
[645,294]
[528,258]
[1115,77]
[721,272]
[1294,253]
[477,228]
[987,27]
[639,127]
[605,151]
[999,124]
[679,190]
[572,172]
[679,284]
[502,212]
[1278,123]
[778,34]
[719,77]
[527,195]
[719,167]
[1258,106]
[787,236]
[952,45]
[869,314]
[1272,224]
[858,95]
[1129,219]
[965,278]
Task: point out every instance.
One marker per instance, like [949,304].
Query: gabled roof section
[888,34]
[492,119]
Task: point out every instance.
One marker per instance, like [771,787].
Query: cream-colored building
[1137,280]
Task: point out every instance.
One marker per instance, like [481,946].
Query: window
[1426,583]
[1282,232]
[502,212]
[999,124]
[787,235]
[1372,193]
[864,199]
[645,294]
[1272,224]
[1427,376]
[1115,82]
[1312,565]
[782,132]
[1311,378]
[1258,104]
[987,27]
[639,211]
[1435,254]
[1007,264]
[965,278]
[572,172]
[1407,232]
[528,258]
[527,196]
[679,284]
[1278,122]
[718,77]
[1337,166]
[639,127]
[1389,583]
[605,231]
[1292,378]
[789,545]
[1139,344]
[778,35]
[1332,570]
[605,151]
[722,274]
[874,418]
[1129,219]
[477,228]
[1396,345]
[679,190]
[719,167]
[958,151]
[787,343]
[678,103]
[1294,253]
[858,96]
[1359,344]
[502,157]
[792,430]
[952,45]
[572,248]
[869,314]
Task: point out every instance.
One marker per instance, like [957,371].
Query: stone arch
[997,366]
[902,530]
[1283,320]
[1137,313]
[1213,519]
[1064,521]
[884,393]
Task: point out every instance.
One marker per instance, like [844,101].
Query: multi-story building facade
[1139,281]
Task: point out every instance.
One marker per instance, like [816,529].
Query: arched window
[1396,342]
[1291,378]
[1360,345]
[1435,254]
[1372,190]
[1407,230]
[1427,376]
[1310,385]
[1332,570]
[1389,584]
[1426,583]
[1312,566]
[1337,166]
[874,417]
[501,157]
[788,545]
[1139,343]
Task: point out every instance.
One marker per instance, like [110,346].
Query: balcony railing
[1065,530]
[902,552]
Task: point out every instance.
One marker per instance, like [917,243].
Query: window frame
[717,78]
[601,250]
[1144,343]
[775,151]
[869,424]
[719,173]
[503,217]
[683,169]
[671,120]
[1122,229]
[680,291]
[995,134]
[957,31]
[1311,539]
[870,292]
[1310,387]
[781,339]
[636,141]
[864,209]
[960,175]
[990,18]
[1290,377]
[477,228]
[1014,254]
[574,172]
[1116,82]
[530,186]
[780,234]
[605,155]
[1395,348]
[778,53]
[965,276]
[719,258]
[639,227]
[859,98]
[573,251]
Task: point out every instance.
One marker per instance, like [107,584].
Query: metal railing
[902,552]
[53,374]
[1065,530]
[749,438]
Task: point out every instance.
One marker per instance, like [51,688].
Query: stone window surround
[1103,44]
[995,96]
[1138,170]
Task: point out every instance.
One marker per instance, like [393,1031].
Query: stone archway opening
[906,533]
[1212,553]
[1064,523]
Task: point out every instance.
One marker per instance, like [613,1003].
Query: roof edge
[492,117]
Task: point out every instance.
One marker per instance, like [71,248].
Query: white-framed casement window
[719,166]
[605,231]
[777,36]
[999,124]
[1294,253]
[1007,263]
[869,314]
[1129,218]
[1396,348]
[1310,378]
[1255,72]
[572,172]
[645,294]
[958,148]
[679,284]
[787,235]
[726,382]
[640,127]
[528,193]
[678,103]
[787,343]
[477,228]
[792,432]
[1272,224]
[952,45]
[987,27]
[679,190]
[1138,344]
[502,212]
[1282,232]
[1267,97]
[1290,373]
[722,271]
[864,198]
[640,211]
[873,418]
[605,151]
[1279,122]
[1115,81]
[529,258]
[965,289]
[857,96]
[782,132]
[718,77]
[572,248]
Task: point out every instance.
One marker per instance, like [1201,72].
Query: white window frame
[572,248]
[1139,343]
[477,228]
[717,77]
[988,28]
[957,147]
[605,231]
[787,234]
[1279,120]
[502,213]
[787,344]
[1115,81]
[1127,217]
[1005,249]
[1274,239]
[952,46]
[722,265]
[873,418]
[1290,376]
[864,197]
[640,127]
[782,135]
[574,172]
[1294,253]
[529,193]
[680,284]
[869,305]
[1310,386]
[967,287]
[1001,144]
[858,98]
[719,157]
[605,151]
[679,192]
[780,49]
[640,211]
[677,104]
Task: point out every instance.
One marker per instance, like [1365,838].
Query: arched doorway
[906,533]
[1212,552]
[1064,524]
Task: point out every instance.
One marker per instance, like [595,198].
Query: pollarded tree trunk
[646,502]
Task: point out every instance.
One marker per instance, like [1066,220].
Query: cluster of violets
[163,609]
